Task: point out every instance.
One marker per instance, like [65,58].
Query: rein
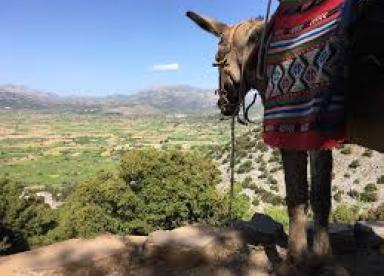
[223,94]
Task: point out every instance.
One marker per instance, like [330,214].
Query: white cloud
[165,67]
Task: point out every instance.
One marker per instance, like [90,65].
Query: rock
[369,235]
[341,237]
[262,230]
[192,245]
[105,255]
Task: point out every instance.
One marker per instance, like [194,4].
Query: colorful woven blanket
[306,64]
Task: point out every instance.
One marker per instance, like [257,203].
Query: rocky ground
[259,168]
[255,247]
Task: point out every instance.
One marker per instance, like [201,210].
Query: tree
[23,219]
[154,189]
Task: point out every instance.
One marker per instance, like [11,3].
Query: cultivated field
[54,149]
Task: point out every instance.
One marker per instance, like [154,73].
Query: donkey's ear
[210,25]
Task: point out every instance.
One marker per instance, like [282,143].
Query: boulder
[369,235]
[341,237]
[104,255]
[262,230]
[192,245]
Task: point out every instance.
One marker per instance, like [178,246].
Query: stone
[341,236]
[369,235]
[262,230]
[104,255]
[191,245]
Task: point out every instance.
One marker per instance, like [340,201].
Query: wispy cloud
[165,67]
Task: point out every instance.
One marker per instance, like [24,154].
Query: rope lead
[232,169]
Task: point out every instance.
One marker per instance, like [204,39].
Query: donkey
[236,59]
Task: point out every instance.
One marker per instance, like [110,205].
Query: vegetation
[53,149]
[23,219]
[354,164]
[152,189]
[344,213]
[374,214]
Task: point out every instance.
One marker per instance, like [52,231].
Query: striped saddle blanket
[307,61]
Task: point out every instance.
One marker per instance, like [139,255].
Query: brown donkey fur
[237,61]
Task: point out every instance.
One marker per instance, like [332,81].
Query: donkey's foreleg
[321,177]
[295,170]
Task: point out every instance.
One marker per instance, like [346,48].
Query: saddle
[365,125]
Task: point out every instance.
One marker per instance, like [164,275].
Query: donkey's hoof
[288,268]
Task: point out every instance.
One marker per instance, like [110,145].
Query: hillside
[151,101]
[21,97]
[358,175]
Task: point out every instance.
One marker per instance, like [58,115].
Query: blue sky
[97,47]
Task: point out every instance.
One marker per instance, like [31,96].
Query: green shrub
[246,182]
[345,214]
[338,196]
[354,164]
[26,216]
[370,188]
[275,169]
[374,214]
[380,180]
[154,190]
[275,188]
[367,153]
[245,167]
[353,194]
[255,201]
[271,180]
[368,197]
[263,175]
[261,146]
[346,150]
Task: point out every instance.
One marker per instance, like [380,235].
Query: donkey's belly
[366,98]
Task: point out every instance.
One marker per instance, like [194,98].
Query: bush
[354,164]
[345,214]
[261,146]
[368,197]
[370,188]
[346,150]
[271,180]
[154,190]
[374,214]
[337,196]
[353,194]
[255,201]
[23,218]
[246,182]
[380,180]
[245,167]
[367,153]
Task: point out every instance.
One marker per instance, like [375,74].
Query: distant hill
[151,101]
[22,97]
[170,99]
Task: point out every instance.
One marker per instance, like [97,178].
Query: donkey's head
[236,59]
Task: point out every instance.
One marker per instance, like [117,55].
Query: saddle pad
[306,67]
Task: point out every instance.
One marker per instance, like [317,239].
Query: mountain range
[151,101]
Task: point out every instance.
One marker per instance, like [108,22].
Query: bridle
[242,91]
